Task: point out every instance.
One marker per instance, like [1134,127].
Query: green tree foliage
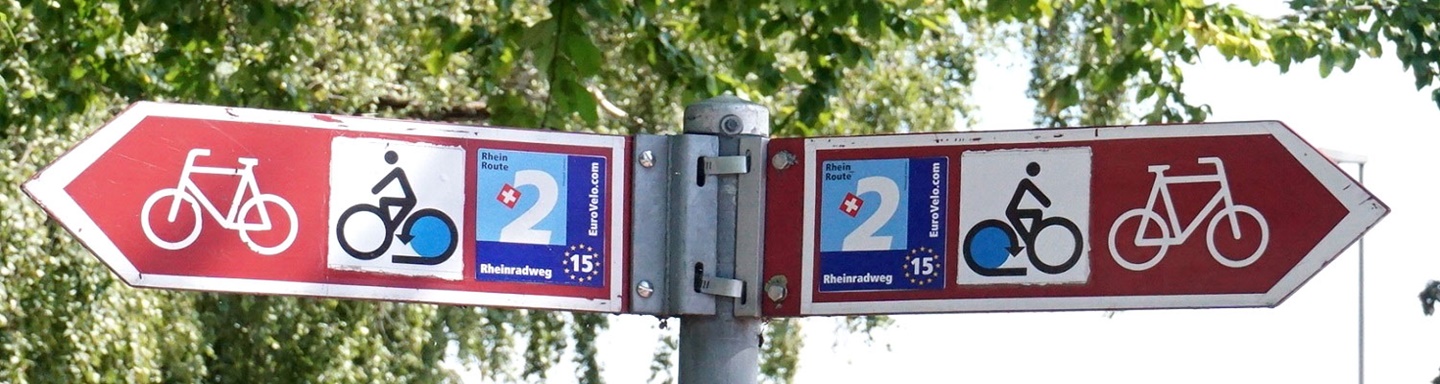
[608,66]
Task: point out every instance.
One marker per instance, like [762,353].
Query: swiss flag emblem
[851,205]
[508,196]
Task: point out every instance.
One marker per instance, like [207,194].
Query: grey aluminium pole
[724,347]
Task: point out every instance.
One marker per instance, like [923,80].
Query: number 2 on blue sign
[880,224]
[544,223]
[863,238]
[522,229]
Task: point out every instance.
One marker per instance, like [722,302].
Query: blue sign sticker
[540,218]
[883,224]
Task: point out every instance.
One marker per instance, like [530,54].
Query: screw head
[782,160]
[644,289]
[731,125]
[775,288]
[647,159]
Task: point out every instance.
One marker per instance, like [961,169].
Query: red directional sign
[243,200]
[1182,216]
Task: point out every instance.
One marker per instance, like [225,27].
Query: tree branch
[468,112]
[550,73]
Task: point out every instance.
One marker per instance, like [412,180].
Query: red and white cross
[851,205]
[508,196]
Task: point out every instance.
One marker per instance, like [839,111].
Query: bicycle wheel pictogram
[1236,217]
[1071,237]
[343,236]
[176,231]
[1145,221]
[431,234]
[987,247]
[266,229]
[991,243]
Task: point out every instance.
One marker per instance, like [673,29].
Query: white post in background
[1339,157]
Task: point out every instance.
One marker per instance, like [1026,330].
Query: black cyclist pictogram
[428,231]
[992,242]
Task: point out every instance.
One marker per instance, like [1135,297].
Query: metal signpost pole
[725,347]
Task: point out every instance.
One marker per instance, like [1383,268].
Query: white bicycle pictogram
[234,219]
[1170,224]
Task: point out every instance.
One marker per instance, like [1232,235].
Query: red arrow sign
[1183,216]
[242,200]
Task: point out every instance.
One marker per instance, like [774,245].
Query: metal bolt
[644,289]
[775,288]
[731,125]
[647,159]
[782,160]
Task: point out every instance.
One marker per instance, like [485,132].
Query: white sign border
[1364,211]
[48,189]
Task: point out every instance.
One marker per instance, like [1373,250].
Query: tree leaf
[583,53]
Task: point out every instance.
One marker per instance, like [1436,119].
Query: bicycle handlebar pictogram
[1172,232]
[234,219]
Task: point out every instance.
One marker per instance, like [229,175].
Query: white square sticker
[397,208]
[1025,216]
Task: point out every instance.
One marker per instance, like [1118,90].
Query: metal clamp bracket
[726,165]
[718,286]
